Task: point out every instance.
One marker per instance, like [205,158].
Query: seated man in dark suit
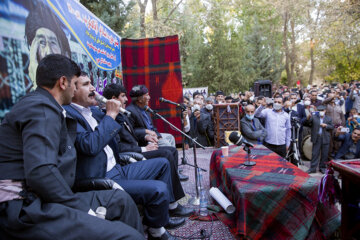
[251,128]
[37,169]
[350,147]
[148,182]
[140,119]
[143,125]
[138,141]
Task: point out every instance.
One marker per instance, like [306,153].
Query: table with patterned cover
[274,199]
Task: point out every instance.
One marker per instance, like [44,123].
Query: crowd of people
[328,114]
[68,162]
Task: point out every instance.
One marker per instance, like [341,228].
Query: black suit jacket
[137,120]
[38,146]
[130,140]
[314,123]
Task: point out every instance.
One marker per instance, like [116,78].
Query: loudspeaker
[263,88]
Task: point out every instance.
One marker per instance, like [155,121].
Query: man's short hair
[41,16]
[54,66]
[113,90]
[282,99]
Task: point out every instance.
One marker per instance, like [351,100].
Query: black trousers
[279,149]
[149,184]
[40,220]
[171,154]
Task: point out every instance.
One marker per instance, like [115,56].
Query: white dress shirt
[87,114]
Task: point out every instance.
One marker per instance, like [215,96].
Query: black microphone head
[236,138]
[161,99]
[149,109]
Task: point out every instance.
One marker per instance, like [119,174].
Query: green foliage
[345,63]
[113,13]
[228,44]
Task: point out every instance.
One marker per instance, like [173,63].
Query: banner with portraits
[30,30]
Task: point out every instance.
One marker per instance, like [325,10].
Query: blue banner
[30,30]
[99,42]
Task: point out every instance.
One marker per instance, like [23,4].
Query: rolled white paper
[222,200]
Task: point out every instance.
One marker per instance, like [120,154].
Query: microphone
[147,108]
[101,99]
[238,139]
[171,102]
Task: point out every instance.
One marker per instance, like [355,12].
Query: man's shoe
[183,177]
[311,171]
[322,170]
[175,222]
[181,211]
[166,235]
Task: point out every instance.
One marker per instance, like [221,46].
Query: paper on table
[222,200]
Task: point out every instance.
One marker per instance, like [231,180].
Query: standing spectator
[321,125]
[354,96]
[277,125]
[201,126]
[219,97]
[314,98]
[334,111]
[353,120]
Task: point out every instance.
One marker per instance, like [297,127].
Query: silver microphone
[101,99]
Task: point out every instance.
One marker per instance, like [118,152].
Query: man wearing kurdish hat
[140,119]
[219,97]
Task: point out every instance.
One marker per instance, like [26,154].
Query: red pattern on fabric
[274,199]
[155,63]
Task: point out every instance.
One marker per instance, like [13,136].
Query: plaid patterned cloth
[155,63]
[274,199]
[350,166]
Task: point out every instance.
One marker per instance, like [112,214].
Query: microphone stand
[193,200]
[184,158]
[248,162]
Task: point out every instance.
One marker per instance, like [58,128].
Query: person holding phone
[321,126]
[350,147]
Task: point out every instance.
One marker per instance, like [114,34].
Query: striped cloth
[155,63]
[274,199]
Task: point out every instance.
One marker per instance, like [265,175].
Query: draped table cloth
[274,199]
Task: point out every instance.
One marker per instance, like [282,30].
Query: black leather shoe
[181,211]
[166,235]
[183,177]
[322,170]
[175,222]
[311,171]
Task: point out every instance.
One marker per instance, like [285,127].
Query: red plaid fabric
[274,199]
[155,63]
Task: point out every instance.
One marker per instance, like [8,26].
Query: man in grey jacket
[251,127]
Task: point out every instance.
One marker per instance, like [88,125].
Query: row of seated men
[55,137]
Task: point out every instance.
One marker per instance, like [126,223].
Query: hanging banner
[30,30]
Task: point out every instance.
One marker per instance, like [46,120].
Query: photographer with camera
[350,148]
[201,126]
[353,121]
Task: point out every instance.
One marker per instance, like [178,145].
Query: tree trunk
[311,77]
[293,53]
[154,9]
[286,47]
[142,17]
